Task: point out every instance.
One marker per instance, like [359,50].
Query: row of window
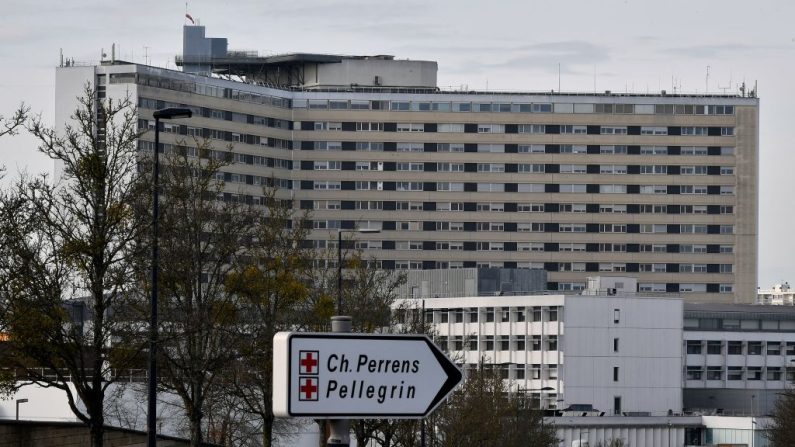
[189,85]
[491,314]
[563,188]
[732,347]
[548,129]
[225,115]
[215,134]
[735,373]
[532,168]
[549,247]
[528,227]
[592,149]
[737,324]
[513,207]
[500,343]
[512,107]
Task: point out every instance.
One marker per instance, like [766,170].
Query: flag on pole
[189,18]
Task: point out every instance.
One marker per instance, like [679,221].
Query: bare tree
[68,251]
[10,125]
[781,431]
[202,233]
[483,413]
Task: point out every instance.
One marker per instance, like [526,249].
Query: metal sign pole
[340,429]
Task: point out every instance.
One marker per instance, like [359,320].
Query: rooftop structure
[778,295]
[309,71]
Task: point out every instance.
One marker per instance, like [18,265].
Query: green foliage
[69,246]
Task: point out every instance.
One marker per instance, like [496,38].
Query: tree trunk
[267,431]
[97,434]
[196,430]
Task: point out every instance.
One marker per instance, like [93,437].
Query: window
[754,373]
[410,127]
[714,347]
[773,373]
[532,148]
[491,167]
[617,405]
[694,346]
[754,348]
[531,168]
[616,315]
[573,169]
[573,149]
[734,348]
[734,373]
[714,373]
[613,130]
[536,342]
[571,129]
[694,373]
[615,374]
[531,128]
[615,345]
[648,130]
[773,348]
[491,128]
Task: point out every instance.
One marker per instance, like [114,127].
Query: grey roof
[739,311]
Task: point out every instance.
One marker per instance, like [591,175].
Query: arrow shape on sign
[359,375]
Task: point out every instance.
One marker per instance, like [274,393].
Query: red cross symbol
[307,389]
[308,361]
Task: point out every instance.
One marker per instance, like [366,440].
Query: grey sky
[613,45]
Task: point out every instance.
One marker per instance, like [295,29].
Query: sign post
[359,376]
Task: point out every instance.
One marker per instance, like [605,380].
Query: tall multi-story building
[659,186]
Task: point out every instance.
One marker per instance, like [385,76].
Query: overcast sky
[618,45]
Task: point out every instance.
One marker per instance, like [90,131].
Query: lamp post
[20,401]
[339,429]
[151,415]
[339,261]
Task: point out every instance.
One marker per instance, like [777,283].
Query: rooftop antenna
[727,87]
[706,87]
[558,77]
[61,57]
[113,53]
[146,55]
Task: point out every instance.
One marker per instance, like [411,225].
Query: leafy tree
[67,253]
[201,237]
[781,431]
[272,285]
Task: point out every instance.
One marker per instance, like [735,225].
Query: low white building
[620,354]
[737,357]
[778,295]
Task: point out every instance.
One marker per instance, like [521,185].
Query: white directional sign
[359,375]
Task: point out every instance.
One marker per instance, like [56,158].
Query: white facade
[737,357]
[779,295]
[619,354]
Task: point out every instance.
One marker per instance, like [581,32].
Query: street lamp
[168,113]
[339,260]
[20,401]
[339,429]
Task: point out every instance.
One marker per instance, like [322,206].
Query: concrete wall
[52,434]
[363,72]
[649,355]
